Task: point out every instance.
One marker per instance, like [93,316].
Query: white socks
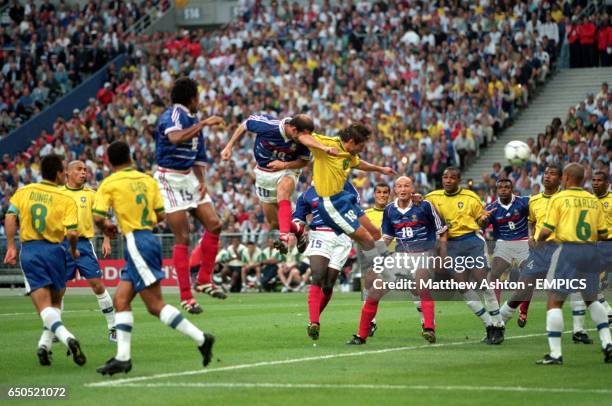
[106,305]
[493,307]
[46,339]
[554,328]
[472,300]
[506,312]
[124,323]
[52,320]
[600,318]
[171,317]
[578,311]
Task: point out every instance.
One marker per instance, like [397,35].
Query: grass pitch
[263,356]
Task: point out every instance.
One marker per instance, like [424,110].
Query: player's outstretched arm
[310,142]
[368,167]
[226,153]
[280,165]
[177,137]
[10,228]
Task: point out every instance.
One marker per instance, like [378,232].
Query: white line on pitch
[289,361]
[254,385]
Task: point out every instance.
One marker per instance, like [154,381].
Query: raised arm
[368,167]
[179,136]
[309,141]
[226,153]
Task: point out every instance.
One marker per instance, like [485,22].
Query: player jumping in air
[462,211]
[87,262]
[181,157]
[601,188]
[576,221]
[138,206]
[327,251]
[46,216]
[280,157]
[414,228]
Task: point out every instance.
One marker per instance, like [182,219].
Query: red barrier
[111,273]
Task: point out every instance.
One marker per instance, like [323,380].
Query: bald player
[576,221]
[87,263]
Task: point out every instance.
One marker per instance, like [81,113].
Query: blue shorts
[572,268]
[604,249]
[87,263]
[538,262]
[43,264]
[341,212]
[468,252]
[143,257]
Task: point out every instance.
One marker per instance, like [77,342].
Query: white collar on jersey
[281,128]
[403,211]
[509,204]
[185,109]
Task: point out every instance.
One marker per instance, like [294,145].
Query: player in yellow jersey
[338,208]
[601,189]
[45,212]
[463,211]
[576,221]
[382,194]
[137,203]
[87,262]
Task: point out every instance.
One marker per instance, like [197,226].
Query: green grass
[252,328]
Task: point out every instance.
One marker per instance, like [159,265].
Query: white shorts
[329,245]
[266,182]
[401,265]
[179,189]
[509,250]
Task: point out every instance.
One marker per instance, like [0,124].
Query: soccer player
[181,157]
[415,229]
[576,221]
[195,262]
[280,158]
[382,194]
[463,211]
[539,260]
[338,208]
[138,206]
[327,252]
[46,215]
[601,191]
[87,262]
[508,215]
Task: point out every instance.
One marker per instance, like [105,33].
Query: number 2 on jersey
[140,198]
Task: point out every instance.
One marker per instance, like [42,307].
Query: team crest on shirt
[414,217]
[606,204]
[345,164]
[516,212]
[460,205]
[83,199]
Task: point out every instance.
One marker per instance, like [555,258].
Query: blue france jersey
[509,222]
[178,156]
[414,228]
[271,143]
[308,202]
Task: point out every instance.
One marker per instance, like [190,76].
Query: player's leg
[331,275]
[124,322]
[318,265]
[209,247]
[179,224]
[554,329]
[578,306]
[427,305]
[472,300]
[284,189]
[492,306]
[599,314]
[270,211]
[105,302]
[368,313]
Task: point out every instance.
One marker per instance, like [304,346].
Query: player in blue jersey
[327,252]
[181,160]
[415,229]
[280,158]
[509,217]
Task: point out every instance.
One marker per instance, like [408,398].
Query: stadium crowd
[584,136]
[46,50]
[437,80]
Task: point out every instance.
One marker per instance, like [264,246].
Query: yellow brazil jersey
[606,203]
[330,172]
[538,207]
[134,197]
[84,199]
[375,215]
[575,215]
[460,210]
[44,212]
